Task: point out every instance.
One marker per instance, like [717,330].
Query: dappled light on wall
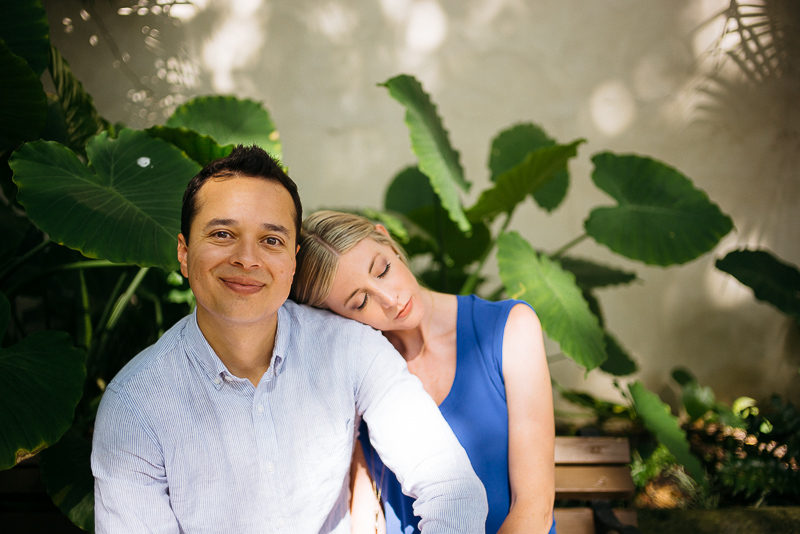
[613,107]
[235,43]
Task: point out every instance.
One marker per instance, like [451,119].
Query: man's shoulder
[148,363]
[315,319]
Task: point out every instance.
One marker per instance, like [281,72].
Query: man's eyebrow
[353,294]
[275,228]
[219,222]
[233,222]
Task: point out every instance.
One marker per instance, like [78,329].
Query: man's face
[240,259]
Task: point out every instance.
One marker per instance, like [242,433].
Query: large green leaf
[67,476]
[515,184]
[591,275]
[619,362]
[23,106]
[410,193]
[409,190]
[660,219]
[552,292]
[658,419]
[510,148]
[24,28]
[429,141]
[41,382]
[229,121]
[125,208]
[456,248]
[771,280]
[201,148]
[80,116]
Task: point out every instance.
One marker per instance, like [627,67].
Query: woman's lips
[406,309]
[245,286]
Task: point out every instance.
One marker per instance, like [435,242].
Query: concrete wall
[626,75]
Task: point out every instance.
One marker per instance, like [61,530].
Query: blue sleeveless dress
[476,410]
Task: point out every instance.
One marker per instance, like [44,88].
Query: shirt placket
[269,459]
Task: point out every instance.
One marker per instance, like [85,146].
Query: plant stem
[472,282]
[85,312]
[562,250]
[25,257]
[158,311]
[108,326]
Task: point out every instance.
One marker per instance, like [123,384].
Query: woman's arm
[365,511]
[531,426]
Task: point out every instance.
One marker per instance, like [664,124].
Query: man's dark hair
[243,161]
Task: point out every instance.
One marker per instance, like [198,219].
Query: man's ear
[183,252]
[382,229]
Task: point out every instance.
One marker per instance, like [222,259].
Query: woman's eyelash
[366,295]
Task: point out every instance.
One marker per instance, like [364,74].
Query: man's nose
[245,254]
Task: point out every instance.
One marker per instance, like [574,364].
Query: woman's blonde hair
[324,237]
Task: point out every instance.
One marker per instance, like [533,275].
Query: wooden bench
[591,469]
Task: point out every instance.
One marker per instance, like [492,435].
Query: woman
[483,364]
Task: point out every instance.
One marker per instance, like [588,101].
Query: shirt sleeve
[130,489]
[416,443]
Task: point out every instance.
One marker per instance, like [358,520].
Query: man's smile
[243,285]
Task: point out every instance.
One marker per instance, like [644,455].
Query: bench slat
[574,520]
[581,520]
[593,482]
[592,450]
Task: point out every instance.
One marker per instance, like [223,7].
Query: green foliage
[24,29]
[23,108]
[772,280]
[514,185]
[45,363]
[81,119]
[552,292]
[512,146]
[125,208]
[67,475]
[229,121]
[661,219]
[97,199]
[658,419]
[437,159]
[756,463]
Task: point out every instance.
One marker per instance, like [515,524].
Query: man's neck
[245,349]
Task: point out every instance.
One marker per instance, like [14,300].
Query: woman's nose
[387,297]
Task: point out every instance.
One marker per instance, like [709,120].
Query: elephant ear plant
[87,279]
[657,217]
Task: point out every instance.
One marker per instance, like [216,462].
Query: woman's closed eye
[366,295]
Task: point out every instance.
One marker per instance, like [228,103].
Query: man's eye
[272,241]
[363,304]
[222,234]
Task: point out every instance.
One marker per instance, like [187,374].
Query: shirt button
[270,467]
[260,408]
[281,522]
[217,380]
[228,379]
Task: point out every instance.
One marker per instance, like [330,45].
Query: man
[241,417]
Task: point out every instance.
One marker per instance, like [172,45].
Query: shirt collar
[213,366]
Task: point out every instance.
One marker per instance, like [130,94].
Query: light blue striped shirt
[181,445]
